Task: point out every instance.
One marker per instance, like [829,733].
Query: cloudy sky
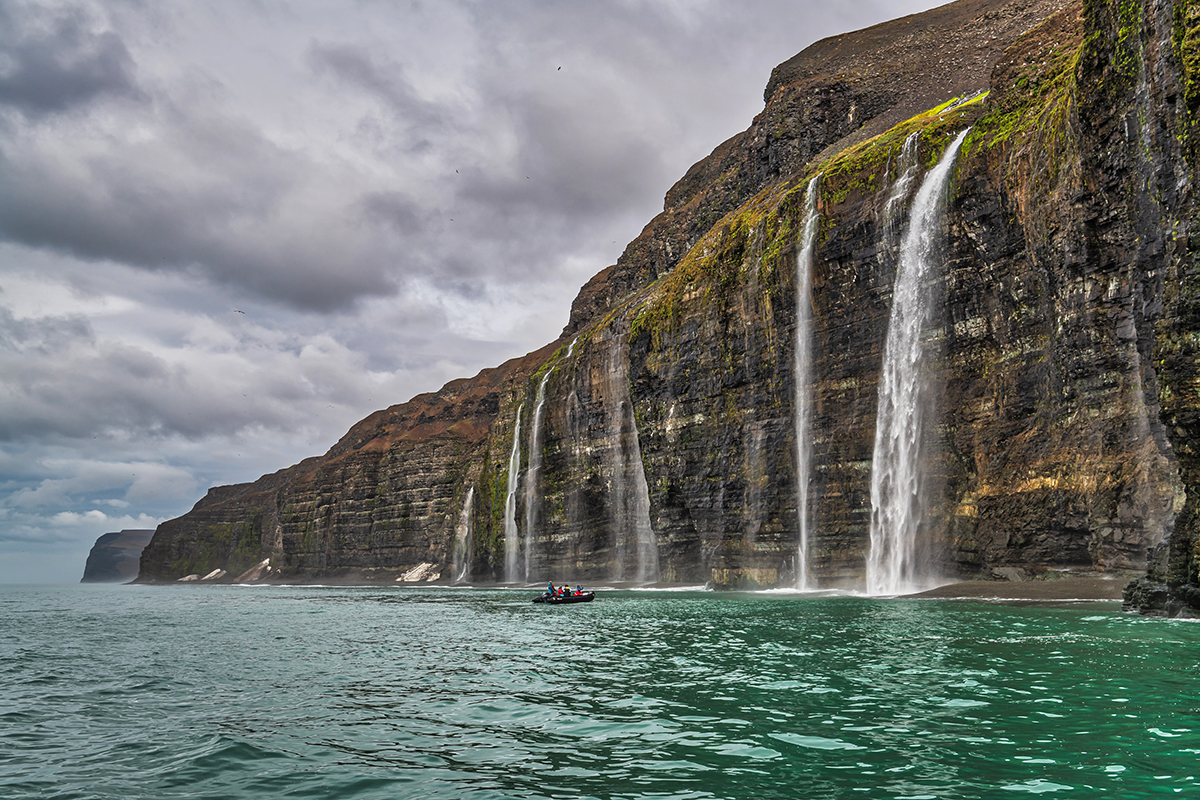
[231,229]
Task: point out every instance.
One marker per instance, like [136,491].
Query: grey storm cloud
[42,336]
[84,385]
[129,210]
[394,210]
[384,78]
[501,180]
[52,61]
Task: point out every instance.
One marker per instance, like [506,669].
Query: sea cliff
[115,557]
[711,411]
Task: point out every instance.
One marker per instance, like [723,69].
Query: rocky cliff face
[114,558]
[663,426]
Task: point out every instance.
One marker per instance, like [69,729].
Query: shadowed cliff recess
[711,413]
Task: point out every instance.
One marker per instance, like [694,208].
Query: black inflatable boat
[586,597]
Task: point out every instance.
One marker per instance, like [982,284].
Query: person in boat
[550,589]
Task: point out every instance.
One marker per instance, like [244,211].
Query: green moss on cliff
[246,542]
[490,537]
[1112,50]
[852,174]
[758,236]
[1036,109]
[1030,135]
[1186,44]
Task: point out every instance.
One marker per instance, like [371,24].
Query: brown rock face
[658,439]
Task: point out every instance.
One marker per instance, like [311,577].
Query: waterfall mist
[906,168]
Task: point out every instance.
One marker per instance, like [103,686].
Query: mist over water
[251,692]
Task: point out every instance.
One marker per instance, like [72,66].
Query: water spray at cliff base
[460,566]
[899,561]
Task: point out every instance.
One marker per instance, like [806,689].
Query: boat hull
[586,597]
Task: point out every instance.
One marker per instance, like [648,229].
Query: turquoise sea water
[239,692]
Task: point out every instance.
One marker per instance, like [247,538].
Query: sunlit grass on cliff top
[849,168]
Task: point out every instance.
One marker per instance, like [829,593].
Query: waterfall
[630,492]
[460,566]
[907,168]
[511,534]
[896,564]
[802,364]
[532,473]
[647,542]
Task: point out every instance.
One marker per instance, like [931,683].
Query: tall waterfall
[511,534]
[630,492]
[460,566]
[896,563]
[802,366]
[533,472]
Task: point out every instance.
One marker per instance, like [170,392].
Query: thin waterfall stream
[896,563]
[907,168]
[512,540]
[802,364]
[533,472]
[631,493]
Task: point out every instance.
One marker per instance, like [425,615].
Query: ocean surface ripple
[251,692]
